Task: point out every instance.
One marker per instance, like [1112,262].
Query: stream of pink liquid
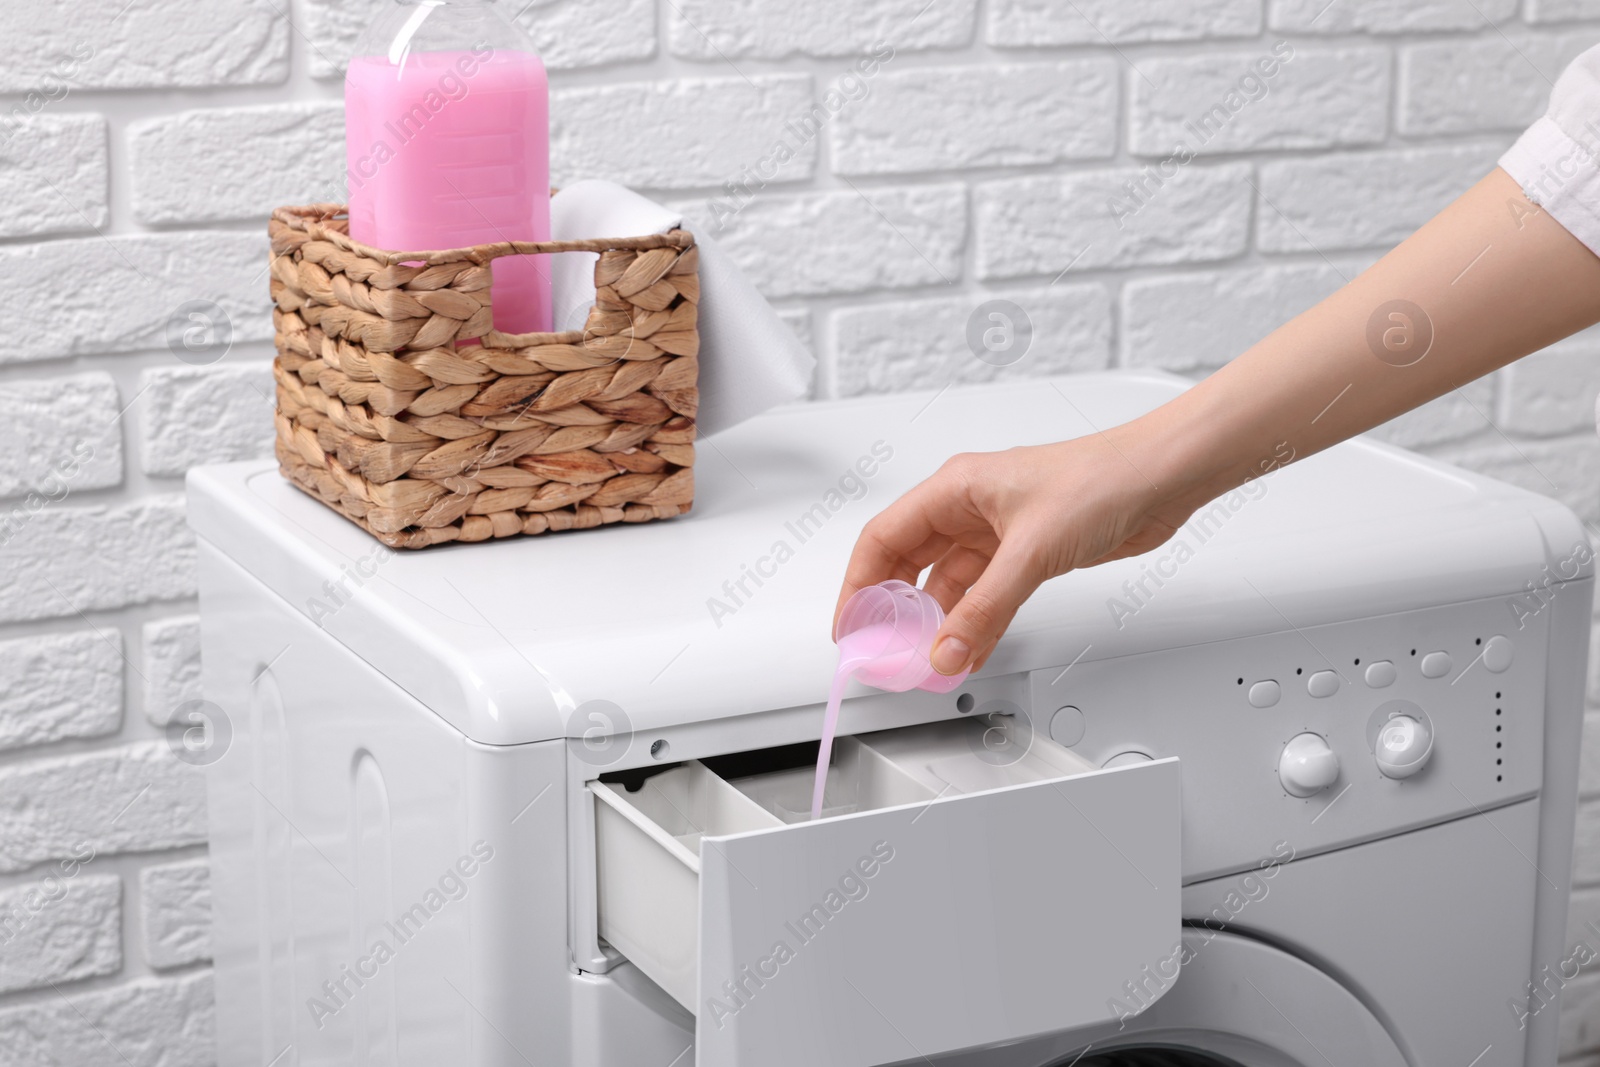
[857,649]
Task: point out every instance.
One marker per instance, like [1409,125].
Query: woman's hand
[994,525]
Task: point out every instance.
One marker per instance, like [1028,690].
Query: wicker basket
[383,417]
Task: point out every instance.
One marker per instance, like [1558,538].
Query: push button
[1497,653]
[1322,684]
[1380,674]
[1436,664]
[1264,694]
[1066,728]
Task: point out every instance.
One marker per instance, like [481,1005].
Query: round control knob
[1307,766]
[1403,746]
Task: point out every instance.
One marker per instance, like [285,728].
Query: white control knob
[1307,766]
[1403,747]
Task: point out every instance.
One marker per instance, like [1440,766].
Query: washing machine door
[1240,1003]
[1236,1003]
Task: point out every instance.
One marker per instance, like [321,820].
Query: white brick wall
[1361,199]
[922,344]
[58,685]
[1045,225]
[59,931]
[942,118]
[1024,23]
[1018,150]
[55,179]
[1316,98]
[152,44]
[1385,16]
[615,129]
[723,30]
[171,665]
[1199,321]
[208,165]
[176,913]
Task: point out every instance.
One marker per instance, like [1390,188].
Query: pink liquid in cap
[448,149]
[885,637]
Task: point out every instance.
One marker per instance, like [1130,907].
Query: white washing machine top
[677,621]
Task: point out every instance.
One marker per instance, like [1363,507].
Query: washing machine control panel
[1307,765]
[1403,744]
[1321,736]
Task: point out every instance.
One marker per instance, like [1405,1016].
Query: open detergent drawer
[963,887]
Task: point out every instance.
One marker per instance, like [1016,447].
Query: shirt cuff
[1560,175]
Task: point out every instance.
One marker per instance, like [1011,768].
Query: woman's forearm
[1490,279]
[1486,281]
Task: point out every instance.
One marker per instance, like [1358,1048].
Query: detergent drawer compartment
[964,886]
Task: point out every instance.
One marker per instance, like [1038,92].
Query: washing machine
[1296,789]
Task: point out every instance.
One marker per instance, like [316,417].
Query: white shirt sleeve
[1557,159]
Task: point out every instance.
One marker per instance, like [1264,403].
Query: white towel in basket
[749,360]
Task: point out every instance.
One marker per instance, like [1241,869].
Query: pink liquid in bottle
[451,148]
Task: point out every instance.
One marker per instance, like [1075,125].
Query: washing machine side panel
[1565,680]
[519,975]
[240,892]
[377,878]
[1430,929]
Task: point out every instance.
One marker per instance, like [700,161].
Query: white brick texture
[1473,85]
[925,344]
[1589,779]
[720,30]
[60,685]
[993,115]
[175,911]
[680,134]
[1363,199]
[1580,1015]
[140,283]
[1116,218]
[195,415]
[1583,917]
[1030,23]
[842,242]
[207,165]
[567,35]
[54,174]
[60,929]
[1153,183]
[146,1023]
[1563,469]
[67,560]
[1562,10]
[55,46]
[1192,322]
[1586,859]
[1551,393]
[1385,16]
[799,320]
[61,435]
[570,35]
[1236,101]
[137,798]
[171,666]
[1457,415]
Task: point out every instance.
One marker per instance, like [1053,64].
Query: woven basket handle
[314,220]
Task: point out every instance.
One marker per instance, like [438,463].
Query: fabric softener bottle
[447,134]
